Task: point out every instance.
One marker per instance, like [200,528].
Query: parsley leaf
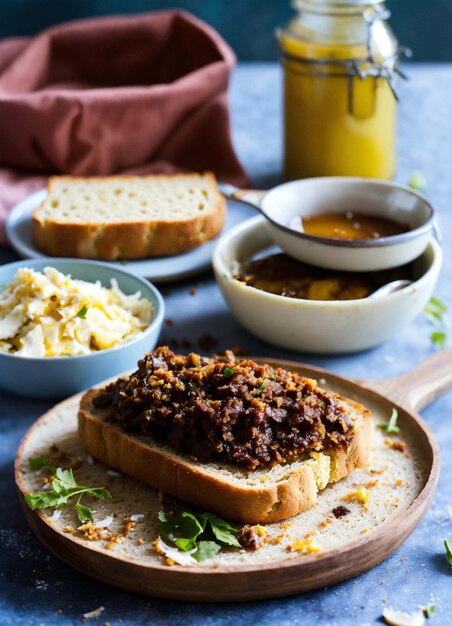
[204,532]
[418,181]
[435,310]
[84,513]
[436,315]
[439,339]
[228,372]
[222,531]
[260,389]
[62,488]
[38,463]
[448,546]
[391,426]
[82,313]
[206,549]
[193,386]
[430,609]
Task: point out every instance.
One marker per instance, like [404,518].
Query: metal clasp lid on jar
[386,69]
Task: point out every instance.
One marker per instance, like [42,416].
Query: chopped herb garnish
[182,384]
[206,533]
[228,372]
[62,488]
[418,181]
[448,546]
[430,609]
[84,513]
[39,462]
[123,261]
[436,315]
[439,339]
[260,389]
[193,386]
[150,413]
[82,313]
[391,425]
[435,310]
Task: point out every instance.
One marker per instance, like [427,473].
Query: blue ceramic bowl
[57,377]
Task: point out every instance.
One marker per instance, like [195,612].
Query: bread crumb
[140,541]
[68,529]
[206,342]
[192,292]
[361,495]
[275,541]
[127,526]
[398,483]
[303,547]
[325,522]
[285,525]
[398,445]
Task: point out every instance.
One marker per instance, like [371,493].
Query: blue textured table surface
[38,589]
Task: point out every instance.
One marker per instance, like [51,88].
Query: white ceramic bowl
[317,326]
[282,205]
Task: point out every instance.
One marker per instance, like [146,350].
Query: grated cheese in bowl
[50,314]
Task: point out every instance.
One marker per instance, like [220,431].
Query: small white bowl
[333,327]
[286,203]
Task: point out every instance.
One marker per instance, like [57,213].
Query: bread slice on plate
[267,493]
[128,217]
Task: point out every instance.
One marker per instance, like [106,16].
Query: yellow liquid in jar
[322,136]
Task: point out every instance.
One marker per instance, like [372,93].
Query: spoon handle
[252,197]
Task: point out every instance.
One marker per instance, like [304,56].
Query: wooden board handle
[420,386]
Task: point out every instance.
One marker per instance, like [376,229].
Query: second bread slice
[128,217]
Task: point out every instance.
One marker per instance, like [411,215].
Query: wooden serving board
[284,576]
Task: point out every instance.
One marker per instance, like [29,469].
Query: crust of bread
[187,480]
[128,240]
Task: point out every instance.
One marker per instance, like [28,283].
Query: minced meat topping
[225,410]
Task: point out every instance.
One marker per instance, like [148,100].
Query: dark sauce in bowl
[281,275]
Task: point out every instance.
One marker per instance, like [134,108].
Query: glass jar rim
[328,5]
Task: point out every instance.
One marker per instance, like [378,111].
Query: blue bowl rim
[155,324]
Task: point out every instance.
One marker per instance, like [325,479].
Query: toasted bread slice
[251,496]
[128,217]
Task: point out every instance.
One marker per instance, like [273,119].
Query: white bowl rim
[391,240]
[259,222]
[156,322]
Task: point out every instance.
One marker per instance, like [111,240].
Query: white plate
[162,269]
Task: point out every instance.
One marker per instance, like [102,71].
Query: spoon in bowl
[391,287]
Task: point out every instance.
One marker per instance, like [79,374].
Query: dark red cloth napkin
[129,94]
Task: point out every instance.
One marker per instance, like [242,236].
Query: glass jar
[340,60]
